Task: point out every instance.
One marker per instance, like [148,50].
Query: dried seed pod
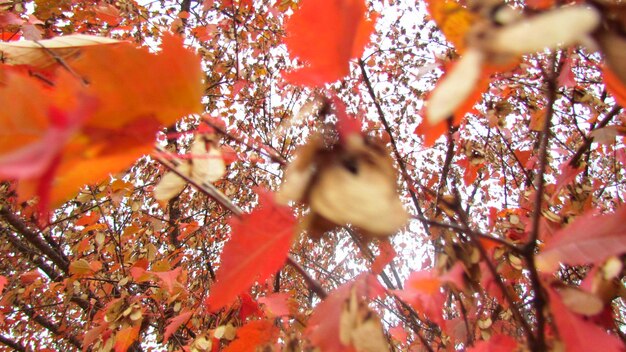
[358,187]
[171,184]
[360,327]
[204,165]
[352,182]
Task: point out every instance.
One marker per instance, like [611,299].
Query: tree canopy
[330,175]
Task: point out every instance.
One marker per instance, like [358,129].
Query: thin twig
[539,301]
[226,203]
[589,139]
[494,273]
[276,158]
[462,229]
[381,115]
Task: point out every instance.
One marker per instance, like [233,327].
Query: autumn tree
[333,175]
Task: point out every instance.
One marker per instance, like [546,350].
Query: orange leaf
[125,337]
[459,89]
[88,219]
[33,126]
[326,34]
[614,85]
[168,278]
[453,20]
[175,323]
[132,83]
[93,334]
[252,335]
[3,282]
[76,134]
[258,247]
[80,267]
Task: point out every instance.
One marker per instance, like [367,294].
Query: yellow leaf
[80,267]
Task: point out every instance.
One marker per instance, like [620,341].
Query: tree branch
[57,258]
[52,327]
[381,115]
[539,301]
[589,139]
[13,344]
[226,203]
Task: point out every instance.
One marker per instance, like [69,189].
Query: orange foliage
[326,34]
[79,133]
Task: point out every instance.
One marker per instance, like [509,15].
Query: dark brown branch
[276,158]
[468,329]
[311,282]
[204,187]
[33,257]
[446,168]
[57,258]
[464,230]
[539,301]
[52,327]
[13,344]
[494,273]
[413,319]
[589,139]
[527,174]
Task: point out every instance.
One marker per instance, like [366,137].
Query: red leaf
[566,77]
[497,343]
[3,282]
[614,85]
[237,87]
[323,327]
[326,34]
[589,239]
[429,132]
[399,333]
[252,335]
[258,247]
[422,290]
[248,306]
[470,174]
[276,304]
[168,278]
[346,125]
[125,337]
[92,335]
[387,253]
[578,334]
[567,175]
[175,323]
